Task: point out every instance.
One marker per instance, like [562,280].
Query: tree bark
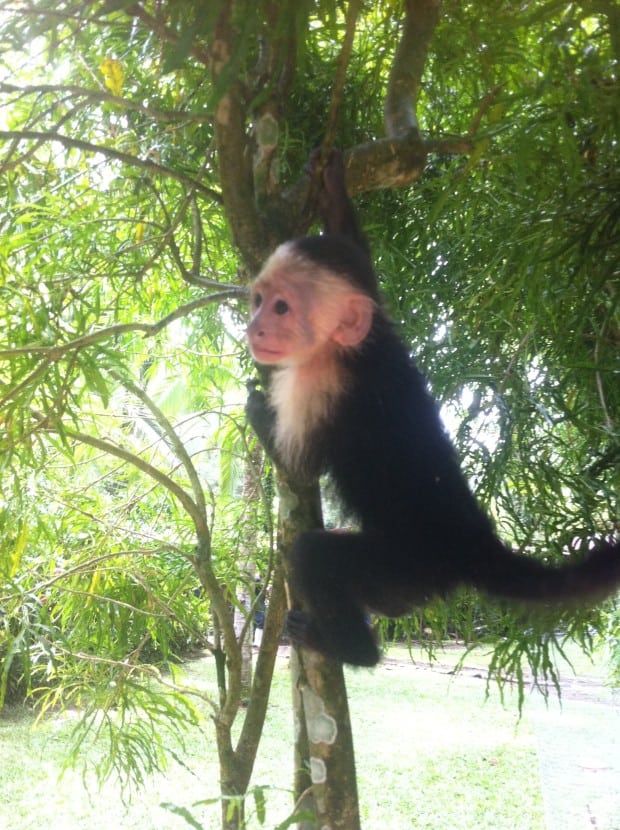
[243,630]
[325,781]
[401,99]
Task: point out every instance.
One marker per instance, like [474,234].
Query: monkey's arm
[262,418]
[337,211]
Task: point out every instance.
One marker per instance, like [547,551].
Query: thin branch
[202,528]
[485,106]
[102,97]
[197,231]
[148,329]
[110,152]
[21,159]
[166,34]
[40,369]
[96,561]
[130,668]
[167,239]
[609,424]
[175,441]
[119,603]
[341,74]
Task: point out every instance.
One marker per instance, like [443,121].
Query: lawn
[432,752]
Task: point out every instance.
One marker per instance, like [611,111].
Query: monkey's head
[314,297]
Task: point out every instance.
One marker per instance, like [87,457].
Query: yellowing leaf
[15,555]
[94,585]
[496,113]
[112,71]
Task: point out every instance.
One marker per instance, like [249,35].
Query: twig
[102,97]
[341,73]
[484,107]
[148,329]
[110,152]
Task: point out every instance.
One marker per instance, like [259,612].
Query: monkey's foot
[355,646]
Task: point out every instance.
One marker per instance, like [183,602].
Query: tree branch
[102,97]
[165,33]
[384,163]
[109,152]
[199,520]
[421,18]
[380,164]
[148,329]
[274,73]
[450,145]
[233,150]
[341,73]
[175,442]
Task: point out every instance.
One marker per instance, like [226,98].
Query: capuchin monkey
[345,398]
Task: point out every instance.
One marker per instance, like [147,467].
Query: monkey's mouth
[262,355]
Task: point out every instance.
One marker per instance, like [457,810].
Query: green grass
[431,752]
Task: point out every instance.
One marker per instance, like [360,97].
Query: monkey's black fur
[342,256]
[422,532]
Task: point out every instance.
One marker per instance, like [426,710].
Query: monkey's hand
[345,645]
[332,195]
[333,201]
[334,183]
[261,416]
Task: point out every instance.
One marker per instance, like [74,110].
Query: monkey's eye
[280,307]
[257,299]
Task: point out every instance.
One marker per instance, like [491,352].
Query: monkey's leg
[334,574]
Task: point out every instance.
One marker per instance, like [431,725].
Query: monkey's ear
[355,320]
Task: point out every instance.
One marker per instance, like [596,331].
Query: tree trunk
[243,630]
[325,781]
[324,743]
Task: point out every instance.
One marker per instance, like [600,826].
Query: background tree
[152,155]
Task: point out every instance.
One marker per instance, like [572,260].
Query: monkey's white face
[301,313]
[279,330]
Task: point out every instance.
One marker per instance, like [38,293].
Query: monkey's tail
[520,577]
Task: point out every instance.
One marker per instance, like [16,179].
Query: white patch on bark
[322,728]
[318,771]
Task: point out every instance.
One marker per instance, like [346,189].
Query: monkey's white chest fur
[303,398]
